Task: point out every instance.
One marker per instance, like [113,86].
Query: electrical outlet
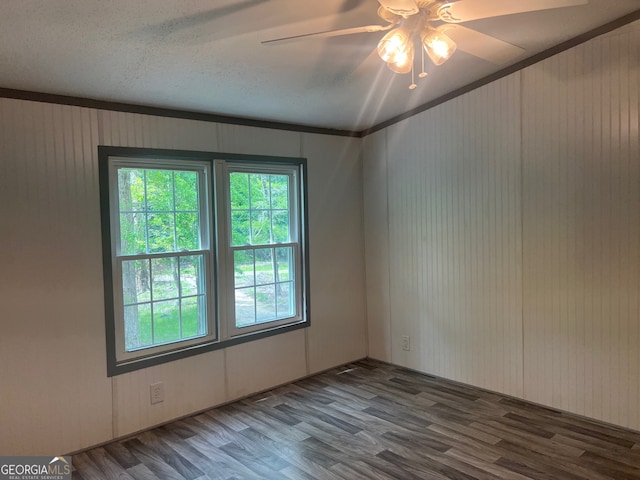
[406,343]
[157,392]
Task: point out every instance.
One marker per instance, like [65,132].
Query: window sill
[126,366]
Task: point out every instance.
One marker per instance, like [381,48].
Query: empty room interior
[349,239]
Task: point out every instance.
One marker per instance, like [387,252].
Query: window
[201,251]
[263,245]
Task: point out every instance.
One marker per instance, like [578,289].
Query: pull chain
[422,73]
[413,80]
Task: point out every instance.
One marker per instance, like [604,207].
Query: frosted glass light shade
[394,45]
[438,45]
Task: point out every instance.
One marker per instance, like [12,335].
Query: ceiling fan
[434,25]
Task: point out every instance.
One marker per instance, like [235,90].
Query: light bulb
[394,45]
[403,61]
[438,45]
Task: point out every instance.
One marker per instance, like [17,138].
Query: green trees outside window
[260,227]
[164,298]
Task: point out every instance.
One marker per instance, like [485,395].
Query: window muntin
[162,260]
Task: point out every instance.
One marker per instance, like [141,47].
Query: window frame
[207,250]
[221,333]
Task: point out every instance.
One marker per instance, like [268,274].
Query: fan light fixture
[397,47]
[438,45]
[409,28]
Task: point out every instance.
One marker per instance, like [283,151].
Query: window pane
[131,189]
[137,326]
[191,315]
[245,307]
[165,275]
[159,190]
[243,268]
[260,227]
[188,230]
[284,264]
[280,226]
[161,232]
[192,275]
[240,234]
[239,187]
[133,233]
[135,281]
[265,303]
[260,192]
[259,209]
[166,321]
[264,266]
[280,192]
[285,300]
[186,185]
[168,276]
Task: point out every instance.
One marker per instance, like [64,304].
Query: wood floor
[372,421]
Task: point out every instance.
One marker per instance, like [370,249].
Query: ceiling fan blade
[331,33]
[404,8]
[466,10]
[482,46]
[191,21]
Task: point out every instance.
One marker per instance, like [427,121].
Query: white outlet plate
[406,343]
[156,391]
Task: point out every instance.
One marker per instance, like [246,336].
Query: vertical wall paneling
[257,366]
[190,385]
[376,238]
[148,131]
[259,141]
[337,333]
[55,394]
[581,229]
[404,294]
[454,238]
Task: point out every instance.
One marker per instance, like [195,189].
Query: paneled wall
[454,244]
[581,229]
[507,244]
[55,396]
[54,392]
[376,233]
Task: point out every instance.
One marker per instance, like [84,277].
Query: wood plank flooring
[372,421]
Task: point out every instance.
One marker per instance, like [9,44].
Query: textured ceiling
[206,55]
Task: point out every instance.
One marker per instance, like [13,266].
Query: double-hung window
[262,245]
[200,251]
